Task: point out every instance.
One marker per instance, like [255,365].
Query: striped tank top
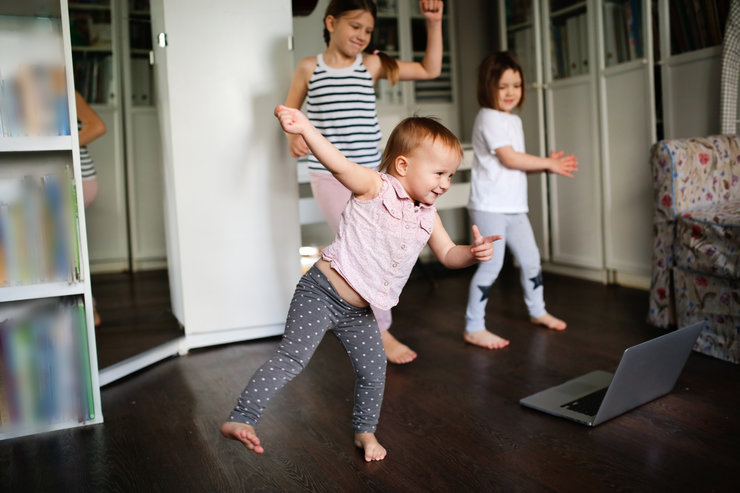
[86,161]
[340,103]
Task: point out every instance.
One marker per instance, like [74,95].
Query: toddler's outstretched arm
[455,256]
[363,182]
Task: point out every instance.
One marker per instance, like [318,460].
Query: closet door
[627,109]
[231,186]
[573,126]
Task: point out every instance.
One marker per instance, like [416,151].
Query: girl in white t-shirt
[498,197]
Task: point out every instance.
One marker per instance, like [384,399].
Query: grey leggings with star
[519,238]
[316,308]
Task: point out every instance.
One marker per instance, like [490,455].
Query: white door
[231,188]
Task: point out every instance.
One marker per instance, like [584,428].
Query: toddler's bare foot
[486,339]
[244,433]
[395,350]
[373,449]
[549,321]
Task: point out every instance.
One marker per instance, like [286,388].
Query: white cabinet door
[577,235]
[107,219]
[231,186]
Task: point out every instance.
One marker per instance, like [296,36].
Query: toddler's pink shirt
[379,241]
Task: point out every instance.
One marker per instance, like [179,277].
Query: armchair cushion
[708,240]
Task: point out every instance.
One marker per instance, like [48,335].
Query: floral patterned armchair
[696,249]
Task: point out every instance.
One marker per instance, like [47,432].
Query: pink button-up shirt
[379,241]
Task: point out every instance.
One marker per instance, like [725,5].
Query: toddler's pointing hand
[482,247]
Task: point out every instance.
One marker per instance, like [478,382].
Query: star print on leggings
[484,291]
[537,280]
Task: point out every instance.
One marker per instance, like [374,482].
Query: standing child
[337,86]
[90,126]
[386,223]
[498,196]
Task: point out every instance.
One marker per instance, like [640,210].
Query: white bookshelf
[47,338]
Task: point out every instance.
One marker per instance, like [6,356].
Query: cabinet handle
[162,40]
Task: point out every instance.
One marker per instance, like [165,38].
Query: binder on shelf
[573,38]
[141,82]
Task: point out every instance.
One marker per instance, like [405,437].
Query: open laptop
[646,371]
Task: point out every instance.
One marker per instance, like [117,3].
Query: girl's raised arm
[431,65]
[363,182]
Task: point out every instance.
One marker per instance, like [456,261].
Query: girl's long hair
[337,8]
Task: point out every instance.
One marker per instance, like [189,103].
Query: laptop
[645,372]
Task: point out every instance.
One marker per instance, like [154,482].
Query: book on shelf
[523,48]
[94,78]
[33,103]
[39,237]
[45,374]
[697,24]
[623,37]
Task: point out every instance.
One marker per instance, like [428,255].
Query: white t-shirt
[494,187]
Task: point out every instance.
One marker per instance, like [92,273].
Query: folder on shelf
[141,83]
[574,45]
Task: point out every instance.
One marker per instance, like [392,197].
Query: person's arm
[455,256]
[556,163]
[431,65]
[92,125]
[363,182]
[295,99]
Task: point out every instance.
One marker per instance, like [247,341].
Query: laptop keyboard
[588,404]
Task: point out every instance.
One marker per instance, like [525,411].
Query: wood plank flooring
[135,313]
[451,420]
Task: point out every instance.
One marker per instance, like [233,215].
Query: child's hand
[431,10]
[292,120]
[297,145]
[482,247]
[563,165]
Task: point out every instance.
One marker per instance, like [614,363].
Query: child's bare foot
[244,433]
[486,339]
[395,350]
[549,321]
[368,442]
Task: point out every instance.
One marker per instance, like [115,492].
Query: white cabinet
[48,363]
[111,49]
[689,63]
[593,64]
[588,62]
[231,187]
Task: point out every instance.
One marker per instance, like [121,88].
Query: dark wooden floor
[451,420]
[135,314]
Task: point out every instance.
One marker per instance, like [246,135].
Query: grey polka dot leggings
[315,309]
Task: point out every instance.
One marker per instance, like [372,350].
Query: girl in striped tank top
[90,126]
[338,89]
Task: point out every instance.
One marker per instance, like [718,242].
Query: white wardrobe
[231,197]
